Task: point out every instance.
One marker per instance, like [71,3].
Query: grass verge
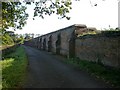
[14,68]
[107,74]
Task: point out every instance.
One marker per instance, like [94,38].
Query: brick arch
[44,44]
[72,45]
[58,43]
[40,43]
[50,44]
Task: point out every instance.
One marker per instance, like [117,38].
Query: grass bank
[14,68]
[107,74]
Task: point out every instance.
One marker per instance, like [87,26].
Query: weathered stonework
[103,48]
[100,49]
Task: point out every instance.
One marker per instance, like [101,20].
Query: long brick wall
[103,48]
[99,48]
[59,41]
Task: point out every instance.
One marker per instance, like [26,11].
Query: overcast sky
[101,16]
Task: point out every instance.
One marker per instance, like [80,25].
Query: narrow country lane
[48,71]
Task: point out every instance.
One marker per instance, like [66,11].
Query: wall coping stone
[74,25]
[102,34]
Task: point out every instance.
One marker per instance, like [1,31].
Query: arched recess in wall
[35,42]
[44,44]
[72,46]
[40,43]
[58,44]
[50,44]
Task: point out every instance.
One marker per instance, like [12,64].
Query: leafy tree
[7,40]
[27,36]
[48,7]
[20,39]
[13,15]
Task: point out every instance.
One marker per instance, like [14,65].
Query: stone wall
[100,48]
[73,41]
[60,41]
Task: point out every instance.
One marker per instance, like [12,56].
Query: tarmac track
[46,70]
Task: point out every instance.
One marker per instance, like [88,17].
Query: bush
[7,40]
[14,69]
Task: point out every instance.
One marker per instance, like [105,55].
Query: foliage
[107,74]
[28,36]
[48,7]
[13,15]
[14,69]
[6,39]
[20,40]
[9,38]
[87,33]
[112,29]
[8,49]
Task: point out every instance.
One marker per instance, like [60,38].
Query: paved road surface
[48,71]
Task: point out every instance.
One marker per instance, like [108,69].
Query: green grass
[14,69]
[107,74]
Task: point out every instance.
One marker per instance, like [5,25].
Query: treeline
[9,38]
